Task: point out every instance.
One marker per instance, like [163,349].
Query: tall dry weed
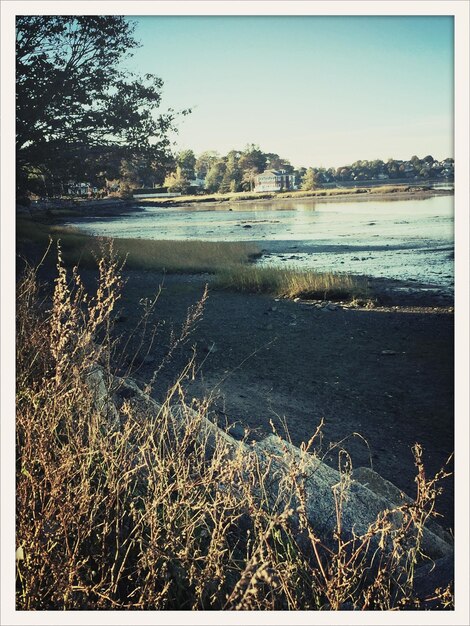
[154,511]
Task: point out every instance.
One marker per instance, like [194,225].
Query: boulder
[383,487]
[364,494]
[361,505]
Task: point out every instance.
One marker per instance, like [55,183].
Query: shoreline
[359,195]
[386,290]
[58,211]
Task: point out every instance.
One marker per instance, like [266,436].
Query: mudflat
[381,378]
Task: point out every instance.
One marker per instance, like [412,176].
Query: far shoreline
[359,194]
[57,211]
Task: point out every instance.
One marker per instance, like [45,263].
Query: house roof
[273,173]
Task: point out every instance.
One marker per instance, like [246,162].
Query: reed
[291,282]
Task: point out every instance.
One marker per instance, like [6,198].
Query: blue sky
[316,90]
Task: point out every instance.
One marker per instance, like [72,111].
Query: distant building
[81,189]
[274,180]
[198,182]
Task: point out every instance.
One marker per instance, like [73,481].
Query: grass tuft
[290,282]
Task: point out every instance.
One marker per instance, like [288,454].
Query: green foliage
[205,161]
[231,182]
[215,176]
[177,181]
[253,158]
[73,97]
[309,180]
[187,162]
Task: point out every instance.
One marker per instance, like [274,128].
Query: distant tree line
[237,170]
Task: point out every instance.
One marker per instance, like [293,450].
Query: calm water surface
[405,239]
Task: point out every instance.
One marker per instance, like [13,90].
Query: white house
[274,180]
[80,189]
[198,182]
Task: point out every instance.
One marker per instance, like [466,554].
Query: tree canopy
[73,94]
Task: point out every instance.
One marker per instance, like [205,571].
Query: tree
[252,159]
[205,161]
[392,168]
[177,181]
[187,162]
[233,175]
[275,162]
[343,173]
[72,94]
[309,181]
[215,176]
[248,178]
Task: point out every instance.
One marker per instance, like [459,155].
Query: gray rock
[383,487]
[237,431]
[362,501]
[100,389]
[361,505]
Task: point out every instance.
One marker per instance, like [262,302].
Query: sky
[317,90]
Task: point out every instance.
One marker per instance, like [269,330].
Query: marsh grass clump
[144,254]
[151,507]
[291,282]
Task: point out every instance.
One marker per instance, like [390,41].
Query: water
[403,239]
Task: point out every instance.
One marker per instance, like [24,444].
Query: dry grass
[291,282]
[136,511]
[146,254]
[247,195]
[210,197]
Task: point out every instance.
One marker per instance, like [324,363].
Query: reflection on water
[410,239]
